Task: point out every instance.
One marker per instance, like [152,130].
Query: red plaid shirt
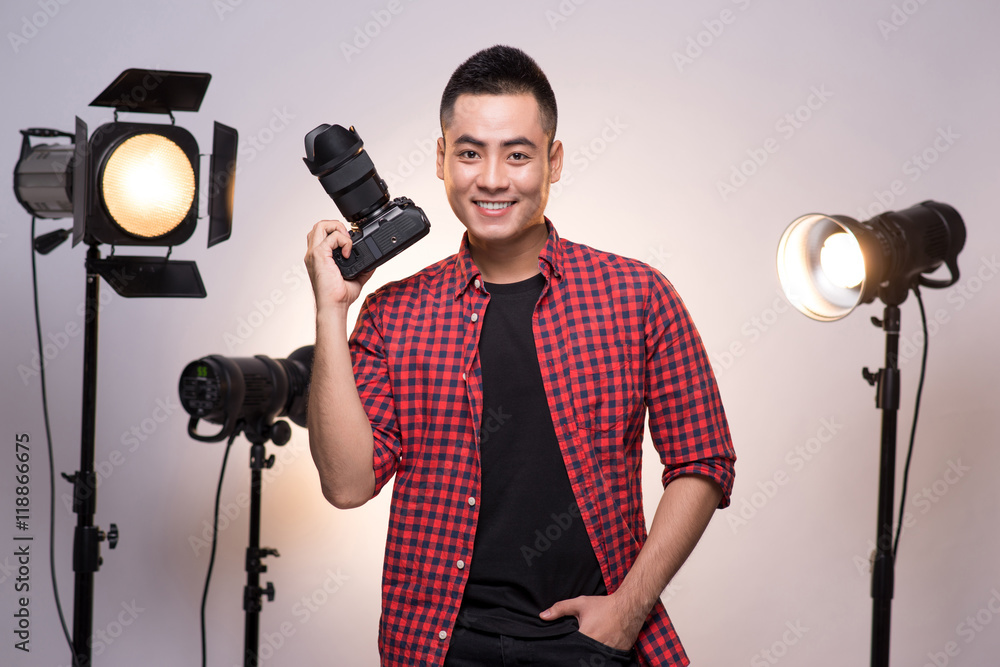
[613,340]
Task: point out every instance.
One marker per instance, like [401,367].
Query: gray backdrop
[694,134]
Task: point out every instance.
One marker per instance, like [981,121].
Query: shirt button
[443,634]
[463,376]
[460,565]
[475,317]
[472,501]
[478,283]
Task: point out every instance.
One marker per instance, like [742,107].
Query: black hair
[501,70]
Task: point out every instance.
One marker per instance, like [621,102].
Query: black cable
[215,532]
[48,438]
[913,429]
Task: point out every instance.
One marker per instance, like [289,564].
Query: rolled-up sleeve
[371,373]
[686,418]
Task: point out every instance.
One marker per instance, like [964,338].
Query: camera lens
[338,158]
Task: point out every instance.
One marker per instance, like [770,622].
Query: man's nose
[493,175]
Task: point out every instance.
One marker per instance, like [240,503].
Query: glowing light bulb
[842,261]
[148,185]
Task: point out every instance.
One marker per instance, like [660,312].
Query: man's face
[496,165]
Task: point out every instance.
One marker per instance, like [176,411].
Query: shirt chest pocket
[601,383]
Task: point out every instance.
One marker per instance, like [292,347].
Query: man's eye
[468,155]
[518,156]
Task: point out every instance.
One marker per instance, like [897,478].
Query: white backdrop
[694,134]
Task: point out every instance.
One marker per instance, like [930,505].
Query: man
[506,388]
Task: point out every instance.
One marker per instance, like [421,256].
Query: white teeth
[494,205]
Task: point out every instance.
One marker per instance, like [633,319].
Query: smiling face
[497,165]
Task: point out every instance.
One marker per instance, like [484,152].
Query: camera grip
[361,257]
[402,225]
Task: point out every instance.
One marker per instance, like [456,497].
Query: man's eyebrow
[520,141]
[466,139]
[516,141]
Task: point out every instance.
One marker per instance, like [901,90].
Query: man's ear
[440,158]
[555,161]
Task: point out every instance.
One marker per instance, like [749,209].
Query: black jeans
[470,648]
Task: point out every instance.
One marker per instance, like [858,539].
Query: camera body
[380,228]
[382,236]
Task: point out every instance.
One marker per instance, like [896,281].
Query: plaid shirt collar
[549,259]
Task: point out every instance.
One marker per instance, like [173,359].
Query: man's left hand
[601,617]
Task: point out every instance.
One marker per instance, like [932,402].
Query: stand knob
[269,591]
[281,433]
[113,536]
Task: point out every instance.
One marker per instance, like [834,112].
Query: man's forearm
[682,515]
[340,435]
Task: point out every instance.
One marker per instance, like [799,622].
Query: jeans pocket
[622,656]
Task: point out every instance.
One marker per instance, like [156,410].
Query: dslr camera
[380,228]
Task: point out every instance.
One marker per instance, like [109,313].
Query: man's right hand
[340,435]
[329,286]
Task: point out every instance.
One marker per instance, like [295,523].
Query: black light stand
[280,432]
[883,566]
[87,537]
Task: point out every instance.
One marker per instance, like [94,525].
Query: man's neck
[510,262]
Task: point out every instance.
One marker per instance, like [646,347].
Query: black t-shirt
[531,547]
